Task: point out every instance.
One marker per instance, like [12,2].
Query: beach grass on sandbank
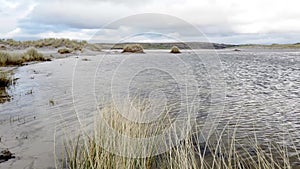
[87,151]
[47,42]
[5,79]
[30,55]
[133,48]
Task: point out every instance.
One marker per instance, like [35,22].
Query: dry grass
[5,79]
[64,51]
[133,48]
[10,59]
[48,42]
[33,55]
[18,59]
[175,49]
[230,153]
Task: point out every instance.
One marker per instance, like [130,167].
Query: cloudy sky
[230,21]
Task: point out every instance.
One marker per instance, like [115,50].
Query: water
[257,91]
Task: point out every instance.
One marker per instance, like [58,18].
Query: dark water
[255,92]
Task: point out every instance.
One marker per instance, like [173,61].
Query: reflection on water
[262,96]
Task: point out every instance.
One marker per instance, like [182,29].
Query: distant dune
[167,45]
[77,45]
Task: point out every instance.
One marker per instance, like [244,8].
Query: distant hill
[54,43]
[167,45]
[199,45]
[272,46]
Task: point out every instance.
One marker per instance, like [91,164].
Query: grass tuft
[64,51]
[18,59]
[175,49]
[48,42]
[133,48]
[5,79]
[33,55]
[221,152]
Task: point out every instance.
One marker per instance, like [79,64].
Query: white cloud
[79,14]
[13,11]
[267,15]
[11,34]
[84,34]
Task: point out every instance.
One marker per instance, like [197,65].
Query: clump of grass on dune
[88,151]
[133,48]
[48,42]
[10,59]
[5,79]
[20,58]
[64,51]
[175,49]
[79,156]
[33,55]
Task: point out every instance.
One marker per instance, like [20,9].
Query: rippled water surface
[258,92]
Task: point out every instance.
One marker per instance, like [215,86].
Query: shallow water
[257,92]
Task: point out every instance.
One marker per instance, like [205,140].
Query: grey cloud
[230,21]
[78,14]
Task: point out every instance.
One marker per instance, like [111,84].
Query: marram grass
[133,48]
[220,152]
[48,42]
[64,51]
[175,49]
[5,79]
[20,58]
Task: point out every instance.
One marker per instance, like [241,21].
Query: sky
[220,21]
